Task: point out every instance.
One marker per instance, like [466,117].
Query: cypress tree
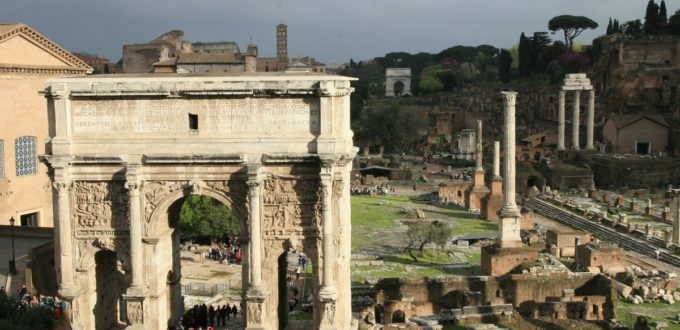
[609,27]
[504,63]
[616,28]
[524,65]
[662,18]
[651,17]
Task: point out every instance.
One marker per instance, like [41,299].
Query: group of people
[208,317]
[48,302]
[382,189]
[232,254]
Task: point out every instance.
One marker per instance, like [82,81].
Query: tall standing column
[591,120]
[136,294]
[496,159]
[256,294]
[509,230]
[328,293]
[255,230]
[136,248]
[560,122]
[575,122]
[68,288]
[479,147]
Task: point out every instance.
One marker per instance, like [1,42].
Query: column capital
[62,187]
[509,98]
[133,187]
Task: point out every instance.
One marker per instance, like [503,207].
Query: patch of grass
[627,312]
[307,316]
[218,273]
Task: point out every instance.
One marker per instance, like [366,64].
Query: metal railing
[203,289]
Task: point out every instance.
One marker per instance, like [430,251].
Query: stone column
[509,230]
[480,166]
[68,289]
[328,293]
[560,122]
[675,209]
[136,248]
[257,292]
[136,294]
[575,122]
[591,120]
[496,159]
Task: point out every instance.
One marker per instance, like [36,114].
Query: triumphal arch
[124,151]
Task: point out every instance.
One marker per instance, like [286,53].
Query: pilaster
[256,292]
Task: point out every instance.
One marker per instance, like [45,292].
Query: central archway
[166,221]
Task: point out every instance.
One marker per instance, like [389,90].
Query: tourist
[211,315]
[297,273]
[292,303]
[234,310]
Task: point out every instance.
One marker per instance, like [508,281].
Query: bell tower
[282,46]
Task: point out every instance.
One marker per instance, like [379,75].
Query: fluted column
[560,122]
[136,247]
[62,226]
[496,159]
[328,293]
[575,122]
[509,229]
[255,230]
[256,309]
[591,120]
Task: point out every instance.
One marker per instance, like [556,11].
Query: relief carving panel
[100,205]
[291,207]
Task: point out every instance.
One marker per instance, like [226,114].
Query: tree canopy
[206,219]
[572,26]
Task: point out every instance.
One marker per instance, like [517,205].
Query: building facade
[27,60]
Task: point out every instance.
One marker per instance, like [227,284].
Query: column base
[136,291]
[69,291]
[255,307]
[328,295]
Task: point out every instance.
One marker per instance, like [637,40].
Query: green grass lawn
[627,313]
[376,222]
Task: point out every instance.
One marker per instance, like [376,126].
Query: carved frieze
[154,193]
[99,205]
[291,207]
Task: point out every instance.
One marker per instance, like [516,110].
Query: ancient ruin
[124,152]
[397,81]
[576,82]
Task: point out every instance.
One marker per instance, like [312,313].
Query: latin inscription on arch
[253,115]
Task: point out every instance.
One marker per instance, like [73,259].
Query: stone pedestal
[649,211]
[255,309]
[134,305]
[493,202]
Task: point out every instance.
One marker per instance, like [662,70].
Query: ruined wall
[526,289]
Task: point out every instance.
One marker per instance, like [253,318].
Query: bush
[15,315]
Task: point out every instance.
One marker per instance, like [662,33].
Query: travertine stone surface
[127,149]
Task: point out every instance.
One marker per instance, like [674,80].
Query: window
[26,155]
[29,219]
[193,121]
[2,159]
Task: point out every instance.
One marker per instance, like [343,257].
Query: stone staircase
[645,247]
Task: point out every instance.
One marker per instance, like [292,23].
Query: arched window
[26,155]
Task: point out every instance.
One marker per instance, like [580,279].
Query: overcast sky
[330,30]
